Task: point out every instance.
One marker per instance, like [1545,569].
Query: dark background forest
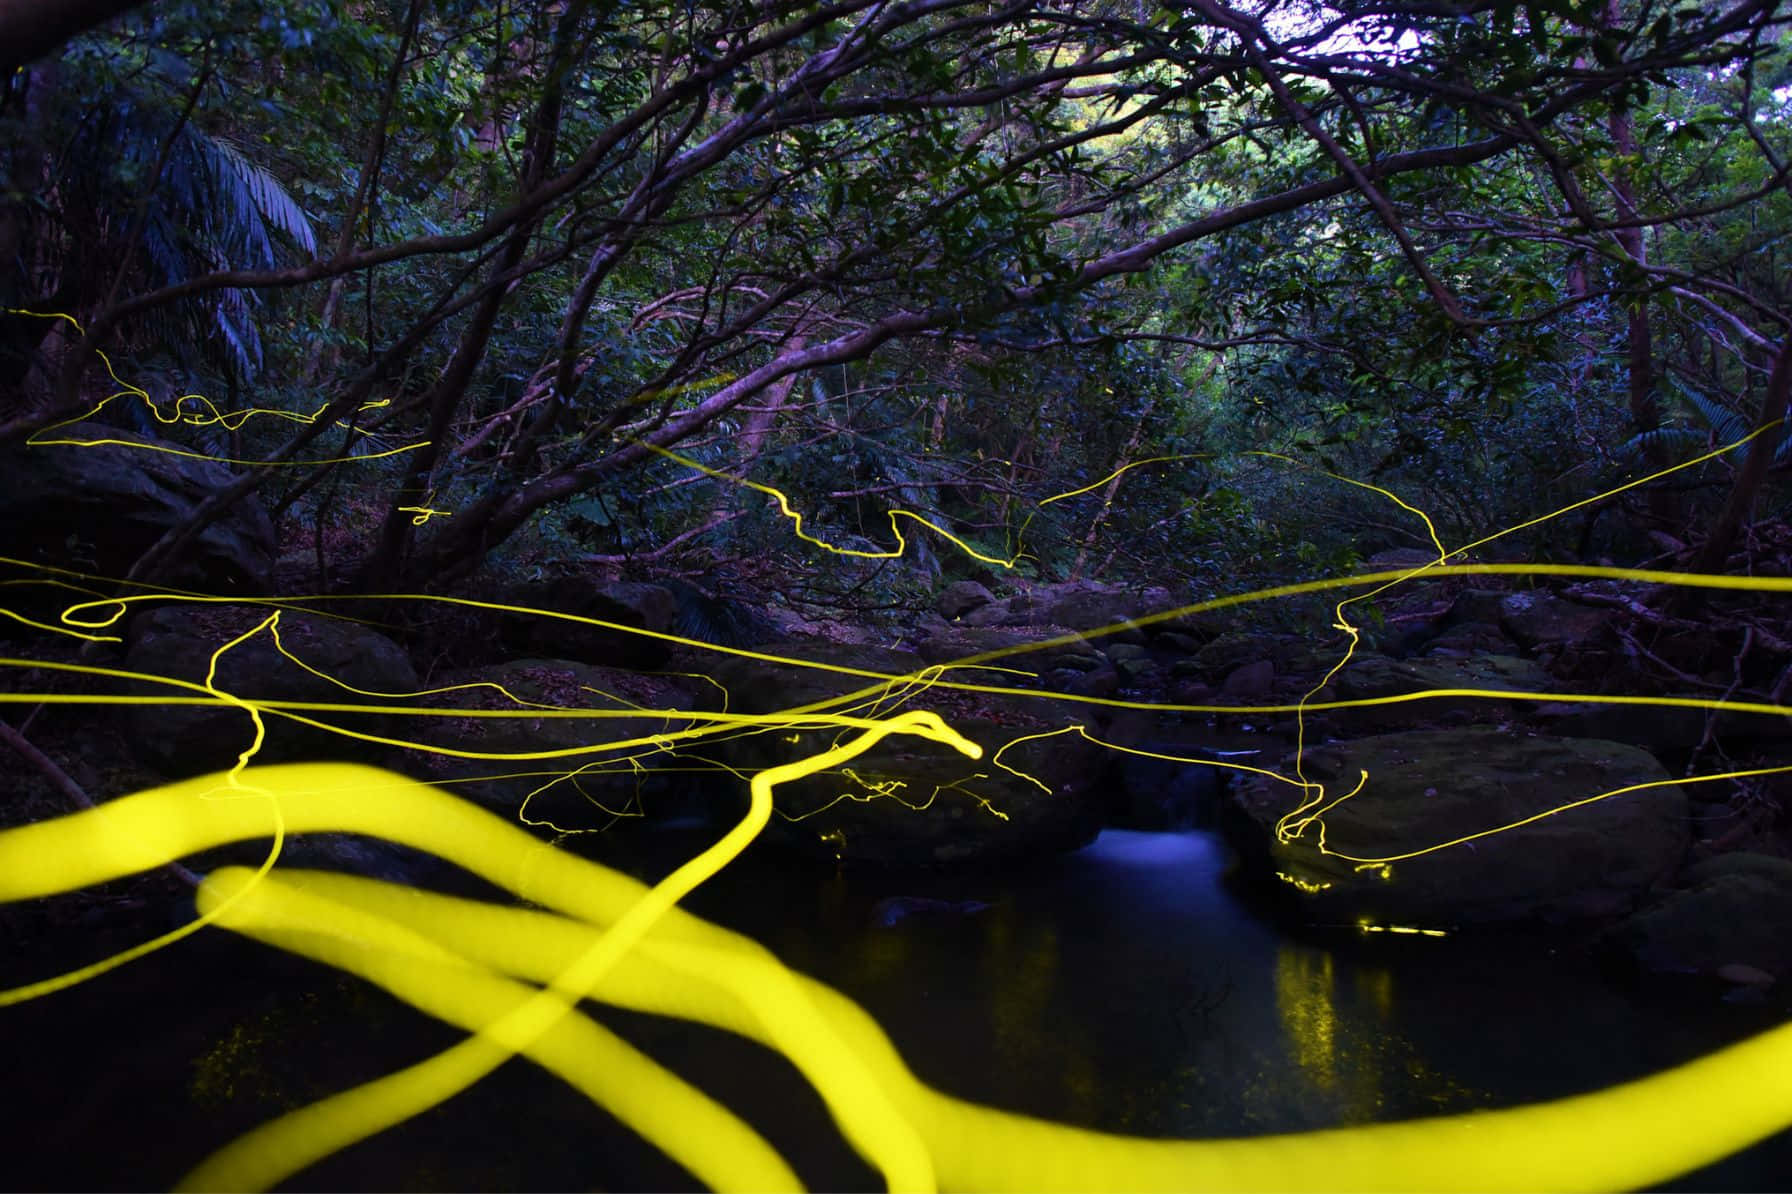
[944,257]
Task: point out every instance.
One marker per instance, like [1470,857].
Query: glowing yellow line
[1637,1134]
[1125,468]
[215,418]
[275,1151]
[796,517]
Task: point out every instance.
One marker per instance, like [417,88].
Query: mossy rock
[1733,909]
[1595,858]
[592,785]
[1369,677]
[317,659]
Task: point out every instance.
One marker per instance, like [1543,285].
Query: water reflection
[1121,988]
[1309,1020]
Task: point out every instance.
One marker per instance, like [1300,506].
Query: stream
[1123,987]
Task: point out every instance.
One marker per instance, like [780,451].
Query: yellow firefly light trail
[609,937]
[515,978]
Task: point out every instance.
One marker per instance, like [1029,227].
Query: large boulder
[1476,606]
[521,708]
[960,598]
[96,504]
[1460,639]
[1089,606]
[1535,619]
[1535,839]
[314,659]
[909,802]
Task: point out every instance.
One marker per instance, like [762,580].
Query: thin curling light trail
[1634,1135]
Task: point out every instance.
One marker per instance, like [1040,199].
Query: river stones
[1077,605]
[1065,651]
[909,802]
[588,787]
[1731,915]
[1426,787]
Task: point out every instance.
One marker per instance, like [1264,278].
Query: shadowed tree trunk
[1776,404]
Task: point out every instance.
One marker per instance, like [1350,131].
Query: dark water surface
[1121,988]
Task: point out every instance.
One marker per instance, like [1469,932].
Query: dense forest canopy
[489,260]
[622,410]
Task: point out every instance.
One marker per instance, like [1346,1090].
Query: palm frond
[236,327]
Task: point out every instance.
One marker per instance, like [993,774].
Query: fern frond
[1665,441]
[1727,426]
[272,203]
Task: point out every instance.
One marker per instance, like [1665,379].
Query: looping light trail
[605,936]
[204,413]
[515,979]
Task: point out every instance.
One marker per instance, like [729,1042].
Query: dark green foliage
[1004,253]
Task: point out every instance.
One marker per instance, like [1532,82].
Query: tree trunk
[1645,408]
[1107,496]
[1776,405]
[387,561]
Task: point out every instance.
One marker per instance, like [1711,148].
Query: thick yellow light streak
[1634,1135]
[909,1132]
[276,1150]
